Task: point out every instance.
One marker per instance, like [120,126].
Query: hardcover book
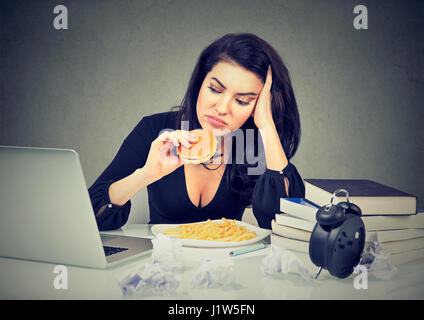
[372,197]
[301,214]
[399,253]
[382,236]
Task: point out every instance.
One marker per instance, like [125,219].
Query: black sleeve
[131,155]
[270,188]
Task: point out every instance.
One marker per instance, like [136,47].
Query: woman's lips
[216,122]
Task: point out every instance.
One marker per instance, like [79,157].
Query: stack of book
[390,217]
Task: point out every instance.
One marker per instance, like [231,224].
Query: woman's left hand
[262,114]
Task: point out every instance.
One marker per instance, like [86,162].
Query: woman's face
[227,97]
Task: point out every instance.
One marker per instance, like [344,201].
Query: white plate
[260,234]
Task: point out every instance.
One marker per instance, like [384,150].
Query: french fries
[227,230]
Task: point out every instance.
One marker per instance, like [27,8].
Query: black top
[168,198]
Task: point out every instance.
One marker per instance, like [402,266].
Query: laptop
[46,212]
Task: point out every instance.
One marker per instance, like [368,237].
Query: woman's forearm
[275,156]
[123,190]
[274,153]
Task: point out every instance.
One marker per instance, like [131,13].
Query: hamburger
[202,150]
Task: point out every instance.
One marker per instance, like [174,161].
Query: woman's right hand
[162,159]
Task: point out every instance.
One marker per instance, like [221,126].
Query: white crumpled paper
[213,273]
[167,252]
[378,263]
[158,277]
[282,261]
[149,279]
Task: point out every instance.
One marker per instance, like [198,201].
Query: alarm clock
[338,238]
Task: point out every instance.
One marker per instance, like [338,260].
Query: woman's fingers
[183,138]
[163,137]
[266,89]
[178,137]
[174,139]
[268,80]
[168,136]
[187,135]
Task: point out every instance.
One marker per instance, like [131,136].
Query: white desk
[21,279]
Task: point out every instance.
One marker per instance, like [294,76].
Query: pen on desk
[248,249]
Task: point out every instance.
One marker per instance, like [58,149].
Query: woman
[239,84]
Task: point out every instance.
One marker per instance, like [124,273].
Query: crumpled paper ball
[167,252]
[377,262]
[282,261]
[158,277]
[213,273]
[149,279]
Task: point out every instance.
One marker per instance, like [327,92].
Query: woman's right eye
[213,90]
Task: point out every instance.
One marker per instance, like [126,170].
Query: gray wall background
[360,93]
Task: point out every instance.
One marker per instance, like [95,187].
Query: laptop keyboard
[112,250]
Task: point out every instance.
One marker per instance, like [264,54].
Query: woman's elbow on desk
[113,217]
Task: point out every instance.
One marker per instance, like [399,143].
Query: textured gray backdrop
[360,93]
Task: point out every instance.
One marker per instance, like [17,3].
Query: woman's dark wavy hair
[255,55]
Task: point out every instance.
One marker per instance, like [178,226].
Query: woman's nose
[223,107]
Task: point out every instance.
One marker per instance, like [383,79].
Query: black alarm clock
[338,238]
